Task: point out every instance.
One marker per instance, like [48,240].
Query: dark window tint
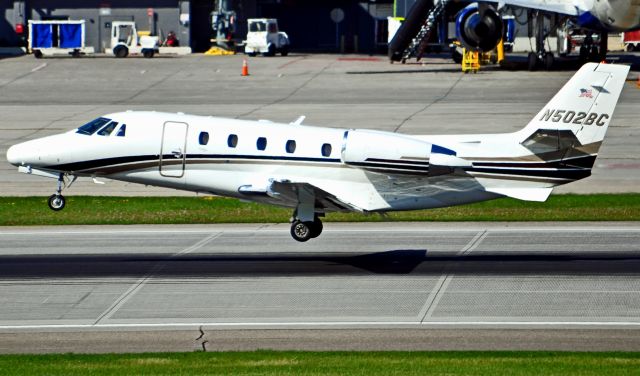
[261,144]
[203,139]
[232,141]
[326,150]
[92,126]
[291,146]
[108,129]
[122,131]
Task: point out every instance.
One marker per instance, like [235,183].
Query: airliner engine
[479,28]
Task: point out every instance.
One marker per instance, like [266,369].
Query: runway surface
[359,286]
[40,97]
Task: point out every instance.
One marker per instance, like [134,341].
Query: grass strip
[326,363]
[26,211]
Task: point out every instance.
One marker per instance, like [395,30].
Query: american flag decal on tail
[586,93]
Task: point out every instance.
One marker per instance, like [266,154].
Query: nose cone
[15,155]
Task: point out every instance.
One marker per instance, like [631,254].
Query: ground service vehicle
[125,40]
[265,38]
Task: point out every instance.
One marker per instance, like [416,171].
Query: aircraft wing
[569,8]
[290,193]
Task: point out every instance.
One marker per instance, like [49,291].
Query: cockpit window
[108,129]
[92,126]
[122,131]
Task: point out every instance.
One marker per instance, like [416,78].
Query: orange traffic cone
[638,83]
[245,67]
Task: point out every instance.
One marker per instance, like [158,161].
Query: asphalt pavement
[403,286]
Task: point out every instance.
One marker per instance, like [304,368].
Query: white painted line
[253,229]
[39,67]
[536,324]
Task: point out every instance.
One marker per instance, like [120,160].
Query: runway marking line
[139,284]
[39,67]
[276,230]
[535,324]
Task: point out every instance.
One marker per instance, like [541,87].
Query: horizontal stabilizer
[526,194]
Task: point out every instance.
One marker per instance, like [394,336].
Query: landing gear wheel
[148,54]
[302,231]
[37,54]
[316,228]
[532,61]
[284,51]
[56,202]
[548,61]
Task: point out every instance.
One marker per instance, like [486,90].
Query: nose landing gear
[57,201]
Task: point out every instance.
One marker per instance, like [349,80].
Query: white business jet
[316,170]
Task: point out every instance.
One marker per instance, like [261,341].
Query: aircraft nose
[20,154]
[13,155]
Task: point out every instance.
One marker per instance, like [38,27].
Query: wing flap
[526,194]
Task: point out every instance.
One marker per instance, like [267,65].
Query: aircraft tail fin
[579,114]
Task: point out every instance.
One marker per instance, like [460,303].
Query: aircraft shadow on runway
[395,262]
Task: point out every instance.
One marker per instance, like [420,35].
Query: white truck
[265,38]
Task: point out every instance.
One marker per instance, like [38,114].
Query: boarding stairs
[425,31]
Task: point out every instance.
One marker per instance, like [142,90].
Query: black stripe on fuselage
[552,170]
[108,162]
[586,161]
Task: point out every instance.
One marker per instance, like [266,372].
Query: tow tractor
[265,38]
[125,40]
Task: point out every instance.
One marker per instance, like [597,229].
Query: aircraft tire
[301,231]
[56,202]
[316,228]
[548,61]
[532,61]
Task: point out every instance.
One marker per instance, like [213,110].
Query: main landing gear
[541,58]
[57,201]
[303,231]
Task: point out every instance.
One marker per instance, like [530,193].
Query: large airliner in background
[315,170]
[479,26]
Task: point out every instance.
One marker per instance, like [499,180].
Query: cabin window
[122,131]
[326,150]
[261,144]
[92,126]
[232,141]
[108,129]
[291,146]
[203,139]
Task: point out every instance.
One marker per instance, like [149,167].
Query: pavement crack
[291,94]
[428,104]
[201,333]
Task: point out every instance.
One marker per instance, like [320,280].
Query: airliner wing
[290,193]
[569,8]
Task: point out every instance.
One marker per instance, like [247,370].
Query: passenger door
[173,150]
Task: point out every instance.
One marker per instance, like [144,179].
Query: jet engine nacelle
[479,28]
[384,150]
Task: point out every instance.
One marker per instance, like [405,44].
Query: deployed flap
[526,194]
[287,192]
